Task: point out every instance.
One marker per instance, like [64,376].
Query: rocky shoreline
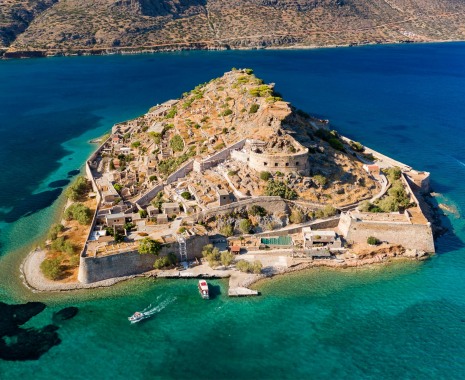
[197,46]
[238,281]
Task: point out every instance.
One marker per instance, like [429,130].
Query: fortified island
[231,181]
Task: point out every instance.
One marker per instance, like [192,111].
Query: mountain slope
[82,25]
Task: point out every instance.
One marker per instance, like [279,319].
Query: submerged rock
[64,314]
[18,343]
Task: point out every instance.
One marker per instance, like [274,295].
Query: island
[231,181]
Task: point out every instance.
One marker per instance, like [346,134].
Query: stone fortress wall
[410,236]
[98,268]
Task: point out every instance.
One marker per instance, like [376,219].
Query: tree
[135,144]
[143,213]
[227,230]
[165,261]
[186,195]
[149,246]
[212,255]
[77,189]
[118,187]
[227,258]
[79,212]
[247,267]
[257,210]
[55,230]
[245,225]
[51,268]
[296,216]
[320,180]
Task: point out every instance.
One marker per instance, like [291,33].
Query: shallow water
[400,321]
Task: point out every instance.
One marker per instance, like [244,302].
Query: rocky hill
[221,114]
[96,26]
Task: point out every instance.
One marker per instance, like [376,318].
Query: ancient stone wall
[219,157]
[181,172]
[274,205]
[410,236]
[149,195]
[93,269]
[288,163]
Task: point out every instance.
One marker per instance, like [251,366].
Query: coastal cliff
[58,27]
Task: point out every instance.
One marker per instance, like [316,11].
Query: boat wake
[149,311]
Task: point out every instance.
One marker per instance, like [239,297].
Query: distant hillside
[94,26]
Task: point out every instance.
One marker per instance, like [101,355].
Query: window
[265,163]
[275,164]
[287,163]
[297,163]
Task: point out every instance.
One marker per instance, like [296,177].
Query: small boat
[203,289]
[136,317]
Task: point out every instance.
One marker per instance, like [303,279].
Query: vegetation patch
[278,188]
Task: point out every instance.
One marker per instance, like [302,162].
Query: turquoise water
[400,321]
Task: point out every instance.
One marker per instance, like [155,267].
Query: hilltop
[29,28]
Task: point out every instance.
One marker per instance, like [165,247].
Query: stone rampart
[181,172]
[219,157]
[272,204]
[410,236]
[149,195]
[98,268]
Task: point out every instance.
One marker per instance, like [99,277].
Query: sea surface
[401,321]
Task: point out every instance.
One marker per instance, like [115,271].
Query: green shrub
[273,99]
[335,143]
[172,113]
[248,71]
[153,178]
[135,144]
[265,176]
[227,258]
[149,246]
[51,268]
[62,245]
[227,230]
[79,212]
[245,225]
[55,229]
[373,241]
[186,195]
[254,108]
[355,145]
[118,187]
[156,137]
[296,216]
[393,174]
[247,267]
[77,189]
[165,261]
[212,255]
[257,210]
[227,112]
[143,213]
[177,143]
[320,180]
[278,188]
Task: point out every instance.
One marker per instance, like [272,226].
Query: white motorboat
[136,317]
[203,289]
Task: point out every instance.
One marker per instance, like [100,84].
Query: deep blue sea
[402,321]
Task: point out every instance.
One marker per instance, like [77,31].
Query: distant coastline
[194,46]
